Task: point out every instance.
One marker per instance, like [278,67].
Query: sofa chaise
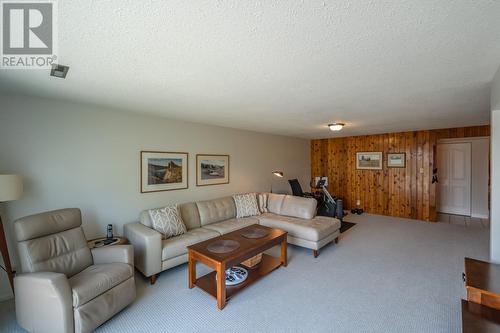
[212,218]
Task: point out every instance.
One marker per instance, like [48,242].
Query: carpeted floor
[385,275]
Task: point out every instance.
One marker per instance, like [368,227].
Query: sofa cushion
[312,230]
[167,221]
[246,205]
[96,280]
[177,246]
[190,215]
[262,200]
[304,208]
[145,219]
[212,211]
[274,202]
[231,225]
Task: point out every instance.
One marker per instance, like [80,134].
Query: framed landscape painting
[396,160]
[163,171]
[369,161]
[212,169]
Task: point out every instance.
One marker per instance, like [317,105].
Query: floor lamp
[11,188]
[277,174]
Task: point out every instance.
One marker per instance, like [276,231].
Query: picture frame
[369,160]
[212,169]
[164,171]
[396,160]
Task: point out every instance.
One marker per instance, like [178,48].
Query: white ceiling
[287,67]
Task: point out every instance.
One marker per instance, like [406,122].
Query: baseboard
[479,216]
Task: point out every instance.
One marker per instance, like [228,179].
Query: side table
[100,242]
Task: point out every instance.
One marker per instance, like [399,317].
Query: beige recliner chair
[65,286]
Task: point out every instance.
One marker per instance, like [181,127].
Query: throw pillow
[167,221]
[262,198]
[246,205]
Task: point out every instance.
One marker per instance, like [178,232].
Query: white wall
[480,149]
[74,155]
[495,170]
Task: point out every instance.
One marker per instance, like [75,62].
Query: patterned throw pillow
[262,198]
[246,205]
[167,221]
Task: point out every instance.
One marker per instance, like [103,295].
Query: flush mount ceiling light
[59,71]
[336,126]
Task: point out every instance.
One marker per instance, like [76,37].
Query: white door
[454,172]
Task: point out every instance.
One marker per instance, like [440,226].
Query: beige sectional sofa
[212,218]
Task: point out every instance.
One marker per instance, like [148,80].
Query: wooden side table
[477,318]
[99,242]
[482,280]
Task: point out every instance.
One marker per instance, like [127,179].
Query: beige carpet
[385,275]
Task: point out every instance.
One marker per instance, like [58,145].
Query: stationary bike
[329,206]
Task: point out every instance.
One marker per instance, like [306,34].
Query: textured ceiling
[286,67]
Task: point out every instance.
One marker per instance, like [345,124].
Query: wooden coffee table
[214,283]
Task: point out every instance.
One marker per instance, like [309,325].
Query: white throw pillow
[167,221]
[262,198]
[246,205]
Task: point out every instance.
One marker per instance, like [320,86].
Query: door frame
[467,140]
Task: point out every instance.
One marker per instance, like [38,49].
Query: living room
[165,147]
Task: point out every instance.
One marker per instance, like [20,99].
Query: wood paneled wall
[402,192]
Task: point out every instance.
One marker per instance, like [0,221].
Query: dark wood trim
[228,168]
[164,152]
[482,281]
[477,318]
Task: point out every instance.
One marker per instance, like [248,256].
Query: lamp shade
[278,173]
[11,187]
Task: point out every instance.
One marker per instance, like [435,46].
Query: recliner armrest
[111,254]
[147,247]
[44,302]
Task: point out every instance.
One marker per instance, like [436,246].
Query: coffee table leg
[192,271]
[284,260]
[221,286]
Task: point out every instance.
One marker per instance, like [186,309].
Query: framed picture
[396,160]
[163,171]
[212,169]
[369,161]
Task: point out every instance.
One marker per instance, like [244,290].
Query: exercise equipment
[329,206]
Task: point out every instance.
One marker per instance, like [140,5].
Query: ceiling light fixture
[336,126]
[59,71]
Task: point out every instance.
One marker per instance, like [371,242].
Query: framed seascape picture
[369,161]
[396,160]
[163,171]
[212,169]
